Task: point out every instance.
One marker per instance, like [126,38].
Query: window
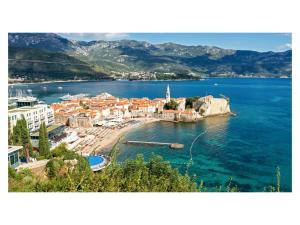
[12,159]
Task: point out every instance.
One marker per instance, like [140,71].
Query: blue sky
[243,41]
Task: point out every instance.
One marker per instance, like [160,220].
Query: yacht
[72,97]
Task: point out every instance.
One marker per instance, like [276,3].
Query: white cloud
[95,36]
[288,45]
[285,47]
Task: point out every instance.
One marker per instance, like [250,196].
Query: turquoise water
[247,147]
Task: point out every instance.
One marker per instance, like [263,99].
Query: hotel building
[34,116]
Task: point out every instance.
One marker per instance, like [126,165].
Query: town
[89,125]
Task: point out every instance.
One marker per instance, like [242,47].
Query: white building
[168,94]
[181,103]
[34,116]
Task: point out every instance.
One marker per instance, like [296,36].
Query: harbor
[215,151]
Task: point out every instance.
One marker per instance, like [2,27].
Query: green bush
[12,172]
[53,167]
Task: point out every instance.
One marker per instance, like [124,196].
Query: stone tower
[168,95]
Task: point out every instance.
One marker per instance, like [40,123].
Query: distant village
[88,124]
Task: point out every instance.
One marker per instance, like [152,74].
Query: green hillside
[40,64]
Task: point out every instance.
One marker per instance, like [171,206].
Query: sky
[261,42]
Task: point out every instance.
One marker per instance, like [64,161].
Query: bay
[247,147]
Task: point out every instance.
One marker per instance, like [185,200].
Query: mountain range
[48,56]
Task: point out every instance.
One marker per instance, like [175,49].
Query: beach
[102,139]
[108,142]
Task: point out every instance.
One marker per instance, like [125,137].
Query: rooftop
[26,108]
[13,148]
[23,109]
[49,129]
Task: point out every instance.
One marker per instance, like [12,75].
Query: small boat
[215,84]
[29,90]
[44,88]
[59,88]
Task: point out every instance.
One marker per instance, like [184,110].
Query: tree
[189,102]
[21,136]
[10,136]
[44,146]
[171,105]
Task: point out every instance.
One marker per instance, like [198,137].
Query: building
[55,134]
[81,120]
[209,106]
[34,116]
[181,103]
[27,101]
[14,155]
[170,115]
[189,115]
[168,94]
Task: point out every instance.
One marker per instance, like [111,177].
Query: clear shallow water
[247,147]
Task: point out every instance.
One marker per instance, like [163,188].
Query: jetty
[171,145]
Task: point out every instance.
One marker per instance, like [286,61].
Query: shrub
[53,167]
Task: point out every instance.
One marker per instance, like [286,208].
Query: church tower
[168,95]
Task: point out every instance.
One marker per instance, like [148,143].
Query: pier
[171,145]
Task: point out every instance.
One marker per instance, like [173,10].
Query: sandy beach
[102,139]
[108,142]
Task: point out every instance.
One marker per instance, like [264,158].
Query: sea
[244,150]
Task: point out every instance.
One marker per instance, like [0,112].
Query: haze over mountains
[49,56]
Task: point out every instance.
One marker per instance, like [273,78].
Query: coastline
[205,78]
[108,142]
[46,82]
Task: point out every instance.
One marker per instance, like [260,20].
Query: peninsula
[103,119]
[94,124]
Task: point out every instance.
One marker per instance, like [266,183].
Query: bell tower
[168,95]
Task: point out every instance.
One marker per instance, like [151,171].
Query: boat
[69,97]
[59,88]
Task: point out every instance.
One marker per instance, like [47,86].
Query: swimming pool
[96,161]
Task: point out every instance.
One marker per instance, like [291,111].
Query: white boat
[66,97]
[73,97]
[59,88]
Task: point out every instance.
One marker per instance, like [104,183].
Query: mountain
[36,64]
[46,41]
[168,60]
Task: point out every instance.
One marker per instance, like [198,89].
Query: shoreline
[74,81]
[46,82]
[109,142]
